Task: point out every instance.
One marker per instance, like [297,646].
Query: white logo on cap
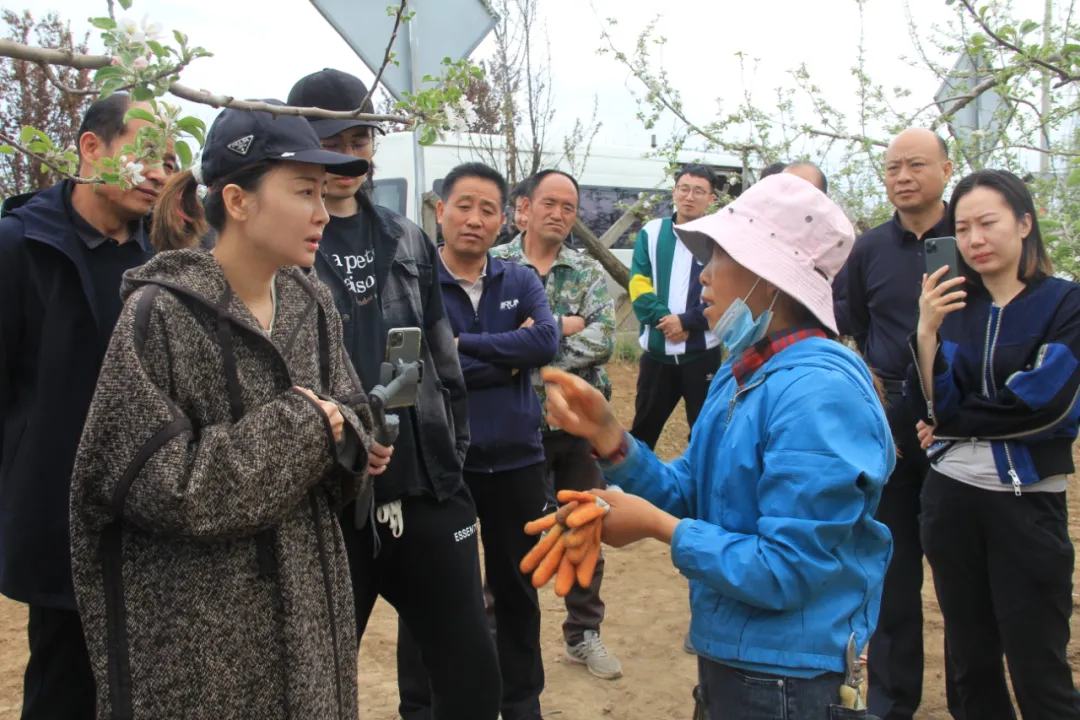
[287,154]
[241,146]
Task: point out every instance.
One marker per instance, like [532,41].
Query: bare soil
[647,616]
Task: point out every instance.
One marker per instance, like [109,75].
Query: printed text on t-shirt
[358,272]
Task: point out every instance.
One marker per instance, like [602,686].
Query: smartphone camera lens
[396,340]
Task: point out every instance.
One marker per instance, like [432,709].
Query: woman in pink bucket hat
[770,512]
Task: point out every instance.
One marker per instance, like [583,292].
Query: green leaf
[190,123]
[141,94]
[110,86]
[7,150]
[1029,26]
[105,73]
[27,134]
[183,151]
[138,113]
[126,4]
[1070,48]
[181,38]
[428,135]
[103,23]
[157,48]
[1074,178]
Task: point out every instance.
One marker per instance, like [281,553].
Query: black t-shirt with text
[347,244]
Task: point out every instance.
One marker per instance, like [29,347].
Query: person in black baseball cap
[226,429]
[418,548]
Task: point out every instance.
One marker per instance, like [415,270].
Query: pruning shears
[854,676]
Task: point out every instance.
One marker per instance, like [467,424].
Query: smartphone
[939,253]
[403,345]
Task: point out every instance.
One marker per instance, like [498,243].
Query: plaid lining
[757,355]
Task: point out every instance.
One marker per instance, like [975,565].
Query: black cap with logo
[333,90]
[239,138]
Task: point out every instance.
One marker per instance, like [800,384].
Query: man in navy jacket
[63,252]
[504,329]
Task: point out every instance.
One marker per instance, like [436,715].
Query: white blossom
[152,30]
[130,31]
[457,122]
[141,63]
[134,171]
[469,110]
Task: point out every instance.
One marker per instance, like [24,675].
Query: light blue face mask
[737,329]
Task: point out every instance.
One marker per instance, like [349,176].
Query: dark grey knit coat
[207,556]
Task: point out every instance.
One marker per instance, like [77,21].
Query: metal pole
[1044,158]
[419,179]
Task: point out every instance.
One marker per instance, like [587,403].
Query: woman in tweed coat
[226,429]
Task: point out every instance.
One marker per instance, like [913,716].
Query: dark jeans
[895,658]
[59,682]
[1003,569]
[431,575]
[569,465]
[731,694]
[660,386]
[505,501]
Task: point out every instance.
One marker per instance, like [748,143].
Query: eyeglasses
[360,143]
[694,192]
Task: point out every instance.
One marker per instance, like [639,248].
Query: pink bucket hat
[785,231]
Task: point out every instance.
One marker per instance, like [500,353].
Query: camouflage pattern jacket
[575,285]
[208,562]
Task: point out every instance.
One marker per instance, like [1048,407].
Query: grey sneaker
[592,653]
[688,646]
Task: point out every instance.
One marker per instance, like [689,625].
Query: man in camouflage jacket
[577,293]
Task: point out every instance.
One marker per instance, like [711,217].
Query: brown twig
[37,55]
[966,100]
[386,59]
[55,80]
[34,156]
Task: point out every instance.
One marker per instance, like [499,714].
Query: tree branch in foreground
[34,156]
[389,54]
[40,56]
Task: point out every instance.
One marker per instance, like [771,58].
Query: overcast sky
[262,46]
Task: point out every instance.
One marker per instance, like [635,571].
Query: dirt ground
[647,616]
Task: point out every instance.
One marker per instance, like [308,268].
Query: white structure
[610,175]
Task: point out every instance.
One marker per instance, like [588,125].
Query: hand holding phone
[941,252]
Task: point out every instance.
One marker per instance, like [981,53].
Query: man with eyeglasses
[416,545]
[680,355]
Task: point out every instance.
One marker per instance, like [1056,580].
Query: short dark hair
[1035,263]
[820,172]
[474,170]
[698,171]
[943,145]
[535,180]
[774,169]
[519,191]
[105,118]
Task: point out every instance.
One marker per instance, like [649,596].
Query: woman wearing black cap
[227,429]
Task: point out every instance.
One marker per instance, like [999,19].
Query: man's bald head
[922,138]
[809,172]
[917,169]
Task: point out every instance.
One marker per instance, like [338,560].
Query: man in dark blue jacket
[504,329]
[62,254]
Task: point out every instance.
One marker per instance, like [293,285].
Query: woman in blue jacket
[769,513]
[995,378]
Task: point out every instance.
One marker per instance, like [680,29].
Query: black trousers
[660,386]
[1003,569]
[431,575]
[505,501]
[59,683]
[895,658]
